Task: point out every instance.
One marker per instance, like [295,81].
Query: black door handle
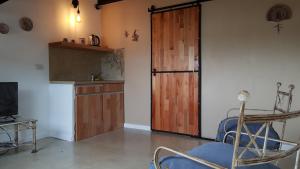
[154,72]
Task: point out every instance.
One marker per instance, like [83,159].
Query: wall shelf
[68,45]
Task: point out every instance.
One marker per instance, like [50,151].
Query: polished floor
[122,149]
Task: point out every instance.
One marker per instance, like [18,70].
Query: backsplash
[112,65]
[78,65]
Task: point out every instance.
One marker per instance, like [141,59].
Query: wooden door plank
[175,39]
[175,103]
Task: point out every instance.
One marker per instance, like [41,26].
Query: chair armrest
[195,159]
[235,109]
[283,142]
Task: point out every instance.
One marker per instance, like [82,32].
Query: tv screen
[8,98]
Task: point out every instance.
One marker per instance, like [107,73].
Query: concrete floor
[122,149]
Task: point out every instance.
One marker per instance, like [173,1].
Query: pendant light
[78,18]
[75,4]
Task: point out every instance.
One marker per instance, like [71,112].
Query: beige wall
[130,15]
[240,50]
[24,55]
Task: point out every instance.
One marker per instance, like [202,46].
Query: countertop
[87,82]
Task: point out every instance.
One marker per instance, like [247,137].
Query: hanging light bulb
[78,18]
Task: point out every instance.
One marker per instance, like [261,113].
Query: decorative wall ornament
[126,34]
[26,24]
[4,29]
[278,13]
[135,36]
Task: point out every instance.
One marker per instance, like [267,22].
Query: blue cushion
[231,125]
[215,152]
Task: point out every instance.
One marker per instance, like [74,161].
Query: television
[8,99]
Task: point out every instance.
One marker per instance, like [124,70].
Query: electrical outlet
[39,66]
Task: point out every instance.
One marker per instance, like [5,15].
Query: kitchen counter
[87,82]
[73,101]
[99,82]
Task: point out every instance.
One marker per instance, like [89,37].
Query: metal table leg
[16,139]
[34,150]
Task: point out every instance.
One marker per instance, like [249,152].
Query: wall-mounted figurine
[126,34]
[278,13]
[4,29]
[135,36]
[26,24]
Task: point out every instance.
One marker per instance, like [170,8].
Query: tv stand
[12,117]
[13,127]
[7,119]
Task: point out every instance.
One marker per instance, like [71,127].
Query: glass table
[13,128]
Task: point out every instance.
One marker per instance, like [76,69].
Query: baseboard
[66,136]
[137,126]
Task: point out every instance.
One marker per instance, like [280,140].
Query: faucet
[92,77]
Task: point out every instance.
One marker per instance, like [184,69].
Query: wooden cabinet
[99,108]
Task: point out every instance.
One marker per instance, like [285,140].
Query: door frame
[199,69]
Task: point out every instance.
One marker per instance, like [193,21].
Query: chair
[229,125]
[218,155]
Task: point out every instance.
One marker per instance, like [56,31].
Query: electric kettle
[94,40]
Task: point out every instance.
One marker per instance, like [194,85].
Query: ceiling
[2,1]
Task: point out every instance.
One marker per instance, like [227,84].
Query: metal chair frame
[276,108]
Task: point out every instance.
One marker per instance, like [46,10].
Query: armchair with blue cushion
[254,154]
[282,104]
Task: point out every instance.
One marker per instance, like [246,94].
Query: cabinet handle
[89,94]
[111,93]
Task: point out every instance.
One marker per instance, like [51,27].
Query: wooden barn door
[175,71]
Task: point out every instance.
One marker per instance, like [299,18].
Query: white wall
[61,111]
[20,51]
[240,50]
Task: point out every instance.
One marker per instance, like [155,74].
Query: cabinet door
[113,111]
[88,116]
